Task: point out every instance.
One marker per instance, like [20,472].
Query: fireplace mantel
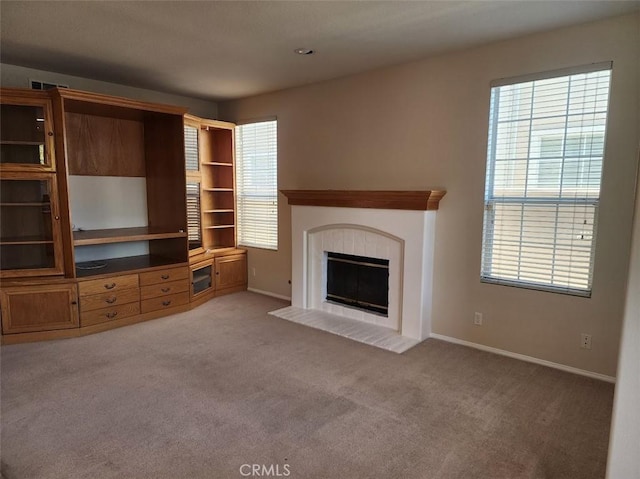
[389,200]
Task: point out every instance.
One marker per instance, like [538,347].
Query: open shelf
[122,235]
[25,204]
[20,142]
[25,240]
[216,163]
[218,211]
[130,263]
[217,189]
[215,227]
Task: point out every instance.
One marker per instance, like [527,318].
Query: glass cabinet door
[26,135]
[30,241]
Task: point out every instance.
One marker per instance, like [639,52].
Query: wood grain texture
[130,264]
[164,289]
[166,182]
[108,285]
[231,271]
[111,313]
[109,299]
[63,186]
[108,105]
[164,302]
[119,235]
[164,276]
[394,200]
[39,308]
[102,146]
[21,128]
[20,186]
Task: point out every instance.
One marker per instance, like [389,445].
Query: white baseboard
[269,293]
[522,357]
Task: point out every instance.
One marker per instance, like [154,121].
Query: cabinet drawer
[105,300]
[89,318]
[115,283]
[164,302]
[164,289]
[164,276]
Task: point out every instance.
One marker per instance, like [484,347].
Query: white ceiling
[230,49]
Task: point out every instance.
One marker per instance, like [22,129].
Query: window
[192,163]
[544,166]
[257,184]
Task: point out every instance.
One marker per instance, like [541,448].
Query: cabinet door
[26,134]
[27,309]
[30,234]
[231,271]
[201,279]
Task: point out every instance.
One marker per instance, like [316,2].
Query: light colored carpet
[199,394]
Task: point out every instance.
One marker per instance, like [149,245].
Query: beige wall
[624,461]
[424,124]
[12,76]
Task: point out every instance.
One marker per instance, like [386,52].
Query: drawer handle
[165,276]
[112,315]
[166,303]
[110,286]
[165,290]
[111,300]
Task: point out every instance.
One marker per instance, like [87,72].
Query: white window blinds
[193,214]
[257,184]
[544,165]
[191,148]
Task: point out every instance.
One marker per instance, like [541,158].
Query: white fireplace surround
[360,241]
[404,237]
[398,226]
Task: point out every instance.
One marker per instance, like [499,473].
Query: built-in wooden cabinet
[209,153]
[30,235]
[124,150]
[119,198]
[35,308]
[26,131]
[231,271]
[30,229]
[202,279]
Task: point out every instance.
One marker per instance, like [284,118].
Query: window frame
[584,181]
[272,196]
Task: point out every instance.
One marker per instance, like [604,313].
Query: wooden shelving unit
[114,162]
[215,175]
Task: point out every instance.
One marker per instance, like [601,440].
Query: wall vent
[41,85]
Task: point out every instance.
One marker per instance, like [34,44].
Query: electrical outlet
[477,319]
[585,341]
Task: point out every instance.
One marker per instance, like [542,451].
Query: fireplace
[349,248]
[358,281]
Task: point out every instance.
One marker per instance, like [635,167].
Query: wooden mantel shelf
[390,200]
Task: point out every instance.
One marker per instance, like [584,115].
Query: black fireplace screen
[358,281]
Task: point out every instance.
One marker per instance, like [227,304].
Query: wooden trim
[70,94]
[202,298]
[235,289]
[390,200]
[97,328]
[196,121]
[62,173]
